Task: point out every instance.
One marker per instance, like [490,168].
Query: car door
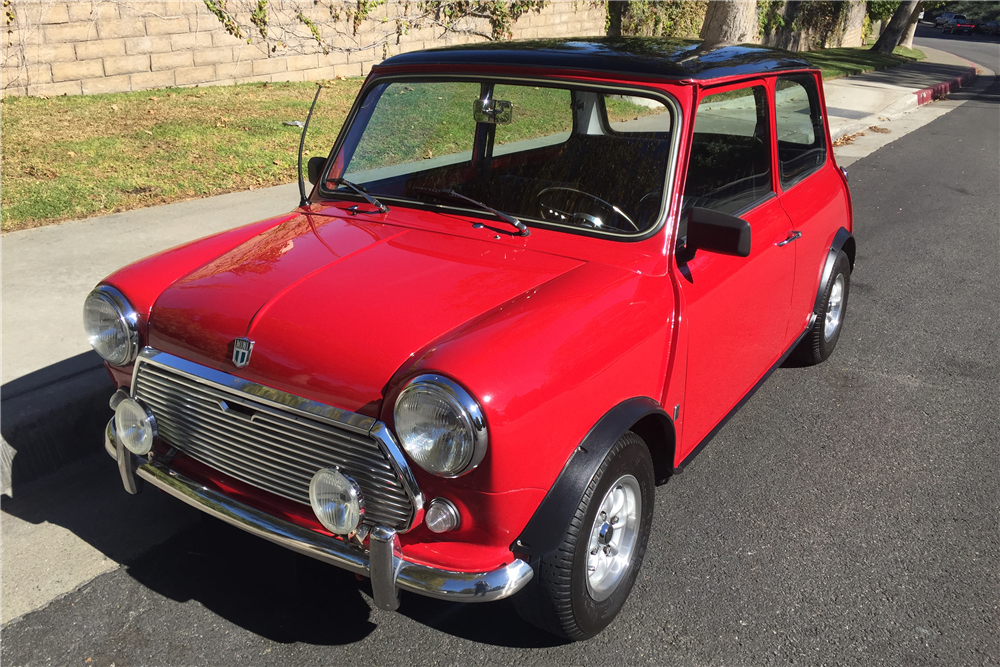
[736,308]
[810,189]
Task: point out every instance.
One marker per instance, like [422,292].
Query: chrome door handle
[791,237]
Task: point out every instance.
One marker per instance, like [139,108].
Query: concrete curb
[940,90]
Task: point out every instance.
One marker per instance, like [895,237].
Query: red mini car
[532,280]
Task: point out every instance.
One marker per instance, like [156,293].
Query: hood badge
[242,347]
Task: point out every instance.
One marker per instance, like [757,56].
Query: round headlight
[112,325]
[440,426]
[336,500]
[135,426]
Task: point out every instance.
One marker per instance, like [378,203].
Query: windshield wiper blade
[357,188]
[521,227]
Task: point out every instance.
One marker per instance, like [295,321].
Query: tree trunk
[911,27]
[728,22]
[897,24]
[615,10]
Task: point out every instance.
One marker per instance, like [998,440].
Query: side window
[798,120]
[730,163]
[626,114]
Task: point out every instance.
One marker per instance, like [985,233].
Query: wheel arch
[842,240]
[644,417]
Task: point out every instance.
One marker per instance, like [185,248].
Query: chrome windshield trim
[282,400]
[433,582]
[651,90]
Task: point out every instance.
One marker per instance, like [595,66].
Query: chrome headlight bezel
[470,421]
[127,324]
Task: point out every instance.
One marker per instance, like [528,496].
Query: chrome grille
[266,445]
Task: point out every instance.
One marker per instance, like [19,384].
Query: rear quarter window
[800,130]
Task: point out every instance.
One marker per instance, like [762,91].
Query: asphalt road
[980,49]
[847,515]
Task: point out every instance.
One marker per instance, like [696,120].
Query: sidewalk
[55,390]
[854,103]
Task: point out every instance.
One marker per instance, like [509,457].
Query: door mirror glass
[494,112]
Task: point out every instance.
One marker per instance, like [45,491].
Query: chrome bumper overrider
[382,563]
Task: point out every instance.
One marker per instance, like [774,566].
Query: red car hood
[335,306]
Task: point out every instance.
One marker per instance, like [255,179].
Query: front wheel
[580,588]
[822,337]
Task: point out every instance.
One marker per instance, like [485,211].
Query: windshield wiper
[521,227]
[357,188]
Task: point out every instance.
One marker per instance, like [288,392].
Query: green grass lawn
[836,63]
[74,157]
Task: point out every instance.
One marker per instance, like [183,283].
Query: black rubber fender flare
[549,523]
[842,240]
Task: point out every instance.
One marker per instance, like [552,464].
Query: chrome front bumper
[382,562]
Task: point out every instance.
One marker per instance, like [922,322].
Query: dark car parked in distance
[988,28]
[960,24]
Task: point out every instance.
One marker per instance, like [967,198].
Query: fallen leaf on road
[880,130]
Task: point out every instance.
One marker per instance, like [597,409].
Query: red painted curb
[941,89]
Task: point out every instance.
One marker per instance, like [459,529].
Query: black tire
[819,343]
[559,598]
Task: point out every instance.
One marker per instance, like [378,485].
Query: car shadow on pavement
[254,584]
[289,598]
[494,623]
[53,416]
[176,552]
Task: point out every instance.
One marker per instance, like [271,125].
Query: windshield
[578,158]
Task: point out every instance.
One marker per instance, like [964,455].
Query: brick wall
[82,47]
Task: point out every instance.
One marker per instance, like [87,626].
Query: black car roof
[649,56]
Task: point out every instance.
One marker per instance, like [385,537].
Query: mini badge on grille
[242,347]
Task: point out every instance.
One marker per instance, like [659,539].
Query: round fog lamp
[135,426]
[441,516]
[336,500]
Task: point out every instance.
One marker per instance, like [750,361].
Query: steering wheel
[649,206]
[563,204]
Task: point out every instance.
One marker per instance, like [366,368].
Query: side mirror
[718,232]
[315,168]
[494,112]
